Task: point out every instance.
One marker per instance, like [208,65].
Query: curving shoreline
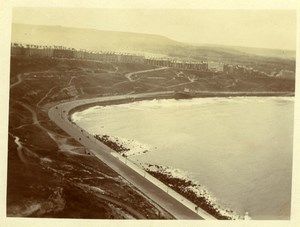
[77,105]
[186,187]
[147,184]
[191,190]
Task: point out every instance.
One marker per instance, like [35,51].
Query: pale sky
[275,29]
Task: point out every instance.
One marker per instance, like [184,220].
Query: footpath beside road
[161,194]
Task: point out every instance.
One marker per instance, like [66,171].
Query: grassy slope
[48,178]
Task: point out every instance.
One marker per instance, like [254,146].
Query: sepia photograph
[151,113]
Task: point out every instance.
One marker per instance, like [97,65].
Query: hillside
[114,40]
[262,52]
[89,39]
[59,177]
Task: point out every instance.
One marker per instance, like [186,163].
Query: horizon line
[153,34]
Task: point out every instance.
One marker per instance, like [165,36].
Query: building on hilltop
[215,66]
[286,74]
[71,53]
[241,70]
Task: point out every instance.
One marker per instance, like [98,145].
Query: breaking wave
[185,185]
[165,103]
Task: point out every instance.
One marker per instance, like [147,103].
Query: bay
[239,148]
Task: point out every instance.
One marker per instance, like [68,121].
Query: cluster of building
[70,91]
[71,53]
[189,65]
[215,66]
[242,70]
[31,50]
[284,74]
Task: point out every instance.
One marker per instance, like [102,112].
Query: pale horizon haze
[272,29]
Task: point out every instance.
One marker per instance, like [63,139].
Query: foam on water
[135,147]
[195,187]
[165,103]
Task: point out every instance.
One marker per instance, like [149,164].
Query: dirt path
[46,96]
[116,68]
[20,79]
[132,211]
[35,119]
[177,85]
[19,148]
[70,81]
[22,150]
[129,75]
[124,206]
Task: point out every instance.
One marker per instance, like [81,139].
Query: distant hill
[89,39]
[277,53]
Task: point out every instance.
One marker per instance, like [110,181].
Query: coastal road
[178,207]
[59,114]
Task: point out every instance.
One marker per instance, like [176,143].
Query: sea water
[239,149]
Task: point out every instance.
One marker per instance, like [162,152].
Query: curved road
[129,75]
[59,114]
[17,82]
